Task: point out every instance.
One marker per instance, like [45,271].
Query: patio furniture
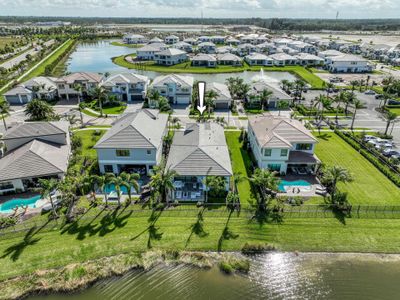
[178,194]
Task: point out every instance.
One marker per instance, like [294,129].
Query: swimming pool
[7,207]
[284,184]
[110,188]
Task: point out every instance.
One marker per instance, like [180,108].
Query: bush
[225,267]
[249,248]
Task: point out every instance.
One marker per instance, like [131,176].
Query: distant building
[134,39]
[170,56]
[176,88]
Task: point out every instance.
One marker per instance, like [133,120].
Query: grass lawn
[7,40]
[299,71]
[240,163]
[395,110]
[89,139]
[109,233]
[115,43]
[370,186]
[39,70]
[115,110]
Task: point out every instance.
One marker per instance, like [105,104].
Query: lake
[272,276]
[96,57]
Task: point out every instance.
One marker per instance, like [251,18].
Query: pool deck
[294,192]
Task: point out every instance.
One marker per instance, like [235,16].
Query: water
[96,57]
[7,207]
[272,276]
[110,188]
[284,183]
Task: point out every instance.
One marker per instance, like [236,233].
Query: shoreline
[77,277]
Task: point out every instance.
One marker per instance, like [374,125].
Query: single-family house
[38,87]
[300,46]
[260,40]
[218,39]
[198,152]
[204,39]
[268,48]
[156,40]
[127,87]
[258,59]
[232,41]
[225,49]
[204,60]
[191,41]
[329,53]
[133,144]
[207,47]
[347,63]
[224,98]
[183,46]
[176,88]
[306,59]
[134,39]
[229,59]
[248,39]
[148,52]
[171,39]
[66,84]
[283,59]
[280,42]
[278,95]
[170,56]
[282,144]
[34,150]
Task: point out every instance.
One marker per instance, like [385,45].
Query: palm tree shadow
[154,235]
[339,215]
[152,229]
[16,250]
[324,136]
[226,234]
[197,228]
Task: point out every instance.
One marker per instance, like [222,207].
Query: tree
[338,101]
[353,84]
[389,118]
[132,180]
[79,89]
[39,110]
[299,86]
[210,98]
[101,182]
[100,94]
[4,111]
[215,186]
[264,96]
[357,105]
[46,187]
[162,181]
[335,174]
[118,182]
[284,84]
[282,105]
[267,182]
[329,87]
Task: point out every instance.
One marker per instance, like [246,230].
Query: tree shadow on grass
[339,215]
[226,234]
[154,234]
[198,227]
[324,136]
[16,250]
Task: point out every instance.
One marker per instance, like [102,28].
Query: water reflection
[272,276]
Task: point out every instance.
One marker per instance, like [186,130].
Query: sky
[211,8]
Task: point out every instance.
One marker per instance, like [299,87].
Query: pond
[96,57]
[272,276]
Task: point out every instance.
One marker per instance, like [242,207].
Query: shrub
[250,248]
[226,267]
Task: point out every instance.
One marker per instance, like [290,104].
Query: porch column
[115,169]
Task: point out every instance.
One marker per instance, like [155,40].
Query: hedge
[395,178]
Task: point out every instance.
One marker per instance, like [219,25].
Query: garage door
[222,105]
[182,100]
[136,98]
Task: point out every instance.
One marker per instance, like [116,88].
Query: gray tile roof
[19,89]
[36,129]
[221,89]
[181,80]
[34,159]
[276,132]
[258,86]
[200,150]
[125,78]
[141,129]
[80,76]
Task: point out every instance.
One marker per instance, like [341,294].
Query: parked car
[369,92]
[378,96]
[369,138]
[393,102]
[390,152]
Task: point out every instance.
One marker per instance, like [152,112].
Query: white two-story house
[133,144]
[176,88]
[170,56]
[66,84]
[283,145]
[348,63]
[127,87]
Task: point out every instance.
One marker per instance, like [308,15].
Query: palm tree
[132,180]
[266,181]
[284,84]
[4,111]
[326,103]
[281,105]
[329,86]
[338,101]
[353,84]
[210,98]
[79,89]
[389,118]
[299,86]
[264,96]
[154,97]
[39,110]
[335,174]
[118,182]
[46,187]
[357,105]
[100,94]
[162,181]
[101,181]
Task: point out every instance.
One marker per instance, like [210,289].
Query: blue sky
[211,8]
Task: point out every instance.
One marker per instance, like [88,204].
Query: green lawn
[89,139]
[126,45]
[185,67]
[7,40]
[370,186]
[395,110]
[240,163]
[114,110]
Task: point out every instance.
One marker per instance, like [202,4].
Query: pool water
[110,188]
[285,183]
[7,207]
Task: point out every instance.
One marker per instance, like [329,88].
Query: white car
[368,138]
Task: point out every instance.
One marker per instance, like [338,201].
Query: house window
[108,169]
[303,146]
[267,152]
[274,167]
[122,152]
[284,152]
[148,152]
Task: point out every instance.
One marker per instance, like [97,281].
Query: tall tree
[132,181]
[357,104]
[210,98]
[267,182]
[39,110]
[46,187]
[100,94]
[264,96]
[118,182]
[335,174]
[4,111]
[389,118]
[162,181]
[79,89]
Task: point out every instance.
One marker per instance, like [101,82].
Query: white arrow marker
[202,90]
